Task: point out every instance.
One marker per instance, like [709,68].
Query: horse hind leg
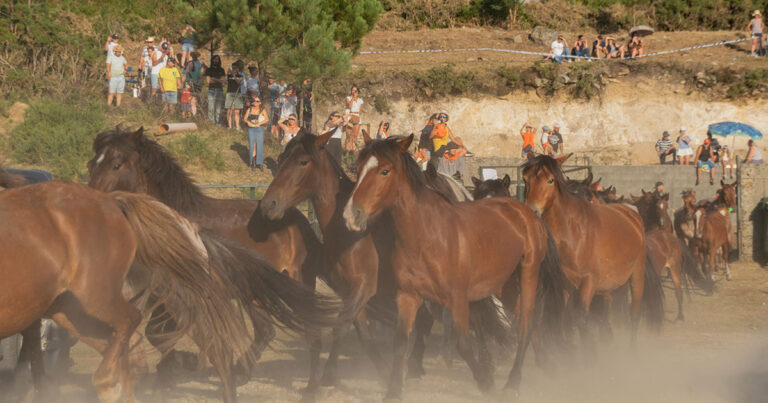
[725,248]
[460,313]
[675,271]
[424,323]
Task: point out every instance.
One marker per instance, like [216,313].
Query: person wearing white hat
[756,27]
[684,150]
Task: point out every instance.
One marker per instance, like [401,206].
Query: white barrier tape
[525,52]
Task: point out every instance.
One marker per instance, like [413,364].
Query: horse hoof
[415,372]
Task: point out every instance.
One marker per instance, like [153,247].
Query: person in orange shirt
[444,142]
[527,132]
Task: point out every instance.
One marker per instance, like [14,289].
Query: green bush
[194,148]
[754,80]
[444,80]
[58,136]
[510,76]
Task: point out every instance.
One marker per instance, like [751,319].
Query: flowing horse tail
[653,295]
[181,278]
[550,296]
[487,318]
[691,271]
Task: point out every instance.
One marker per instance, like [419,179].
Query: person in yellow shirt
[170,81]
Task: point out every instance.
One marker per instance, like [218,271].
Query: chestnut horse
[130,161]
[454,254]
[714,229]
[358,264]
[685,220]
[602,246]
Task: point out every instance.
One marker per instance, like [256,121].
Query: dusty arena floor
[719,354]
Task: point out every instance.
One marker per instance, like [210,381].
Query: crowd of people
[603,47]
[552,143]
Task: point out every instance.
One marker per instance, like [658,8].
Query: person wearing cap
[705,160]
[559,50]
[684,150]
[159,58]
[145,61]
[111,43]
[755,27]
[664,147]
[383,132]
[170,82]
[556,140]
[527,132]
[116,75]
[754,155]
[546,146]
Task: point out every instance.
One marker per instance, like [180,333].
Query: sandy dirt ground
[719,354]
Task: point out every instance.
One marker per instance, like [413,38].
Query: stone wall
[754,187]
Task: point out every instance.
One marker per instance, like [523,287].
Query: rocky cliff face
[619,128]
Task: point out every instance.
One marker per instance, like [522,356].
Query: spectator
[545,145]
[705,161]
[233,102]
[599,47]
[727,161]
[288,102]
[659,188]
[145,61]
[187,43]
[256,118]
[424,150]
[580,47]
[159,58]
[307,96]
[756,28]
[527,132]
[614,50]
[684,150]
[354,107]
[715,147]
[444,142]
[635,46]
[290,127]
[192,74]
[186,100]
[110,45]
[556,140]
[253,84]
[275,90]
[336,123]
[559,50]
[170,81]
[116,74]
[215,77]
[383,131]
[754,155]
[665,147]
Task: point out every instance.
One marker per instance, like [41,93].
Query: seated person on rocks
[559,50]
[580,47]
[444,142]
[664,147]
[635,46]
[599,47]
[613,49]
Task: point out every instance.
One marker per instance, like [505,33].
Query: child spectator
[186,100]
[727,161]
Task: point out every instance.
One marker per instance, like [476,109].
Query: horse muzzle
[355,217]
[272,208]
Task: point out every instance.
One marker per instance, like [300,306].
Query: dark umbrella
[726,129]
[641,30]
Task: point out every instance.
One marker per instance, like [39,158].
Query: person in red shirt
[527,132]
[186,100]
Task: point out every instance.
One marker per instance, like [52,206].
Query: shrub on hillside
[444,80]
[58,136]
[195,148]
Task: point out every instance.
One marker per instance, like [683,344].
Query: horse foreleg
[725,248]
[586,293]
[424,322]
[675,271]
[460,313]
[529,281]
[31,350]
[638,287]
[366,339]
[407,306]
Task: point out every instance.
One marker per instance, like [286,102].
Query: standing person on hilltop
[527,132]
[705,158]
[556,140]
[159,58]
[756,26]
[193,72]
[215,77]
[170,82]
[187,43]
[354,105]
[275,90]
[145,61]
[336,123]
[110,45]
[234,100]
[256,118]
[116,75]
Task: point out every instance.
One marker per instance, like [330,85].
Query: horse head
[544,181]
[491,188]
[299,174]
[116,163]
[383,167]
[661,204]
[727,193]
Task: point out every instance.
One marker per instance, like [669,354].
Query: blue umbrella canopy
[726,129]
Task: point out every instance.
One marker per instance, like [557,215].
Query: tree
[297,38]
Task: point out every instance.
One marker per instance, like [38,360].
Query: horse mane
[307,140]
[545,161]
[175,187]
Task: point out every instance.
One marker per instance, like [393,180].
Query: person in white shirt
[159,58]
[116,74]
[109,47]
[559,50]
[145,61]
[352,112]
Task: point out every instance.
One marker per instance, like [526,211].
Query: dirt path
[720,354]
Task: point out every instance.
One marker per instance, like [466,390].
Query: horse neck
[326,195]
[563,206]
[412,212]
[174,189]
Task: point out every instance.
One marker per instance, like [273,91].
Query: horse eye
[117,166]
[385,172]
[304,163]
[551,181]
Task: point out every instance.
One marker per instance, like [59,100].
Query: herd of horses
[141,243]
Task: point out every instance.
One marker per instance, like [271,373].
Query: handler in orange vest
[444,142]
[527,132]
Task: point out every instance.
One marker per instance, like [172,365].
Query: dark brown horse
[714,229]
[454,253]
[491,188]
[358,264]
[132,162]
[602,246]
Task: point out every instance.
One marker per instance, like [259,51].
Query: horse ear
[506,181]
[644,192]
[634,198]
[431,171]
[476,182]
[722,183]
[405,143]
[322,140]
[589,178]
[530,155]
[138,135]
[561,159]
[665,197]
[366,137]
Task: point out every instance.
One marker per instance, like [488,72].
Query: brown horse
[714,229]
[602,246]
[454,253]
[685,220]
[130,161]
[358,264]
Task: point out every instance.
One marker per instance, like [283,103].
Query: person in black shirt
[215,77]
[704,158]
